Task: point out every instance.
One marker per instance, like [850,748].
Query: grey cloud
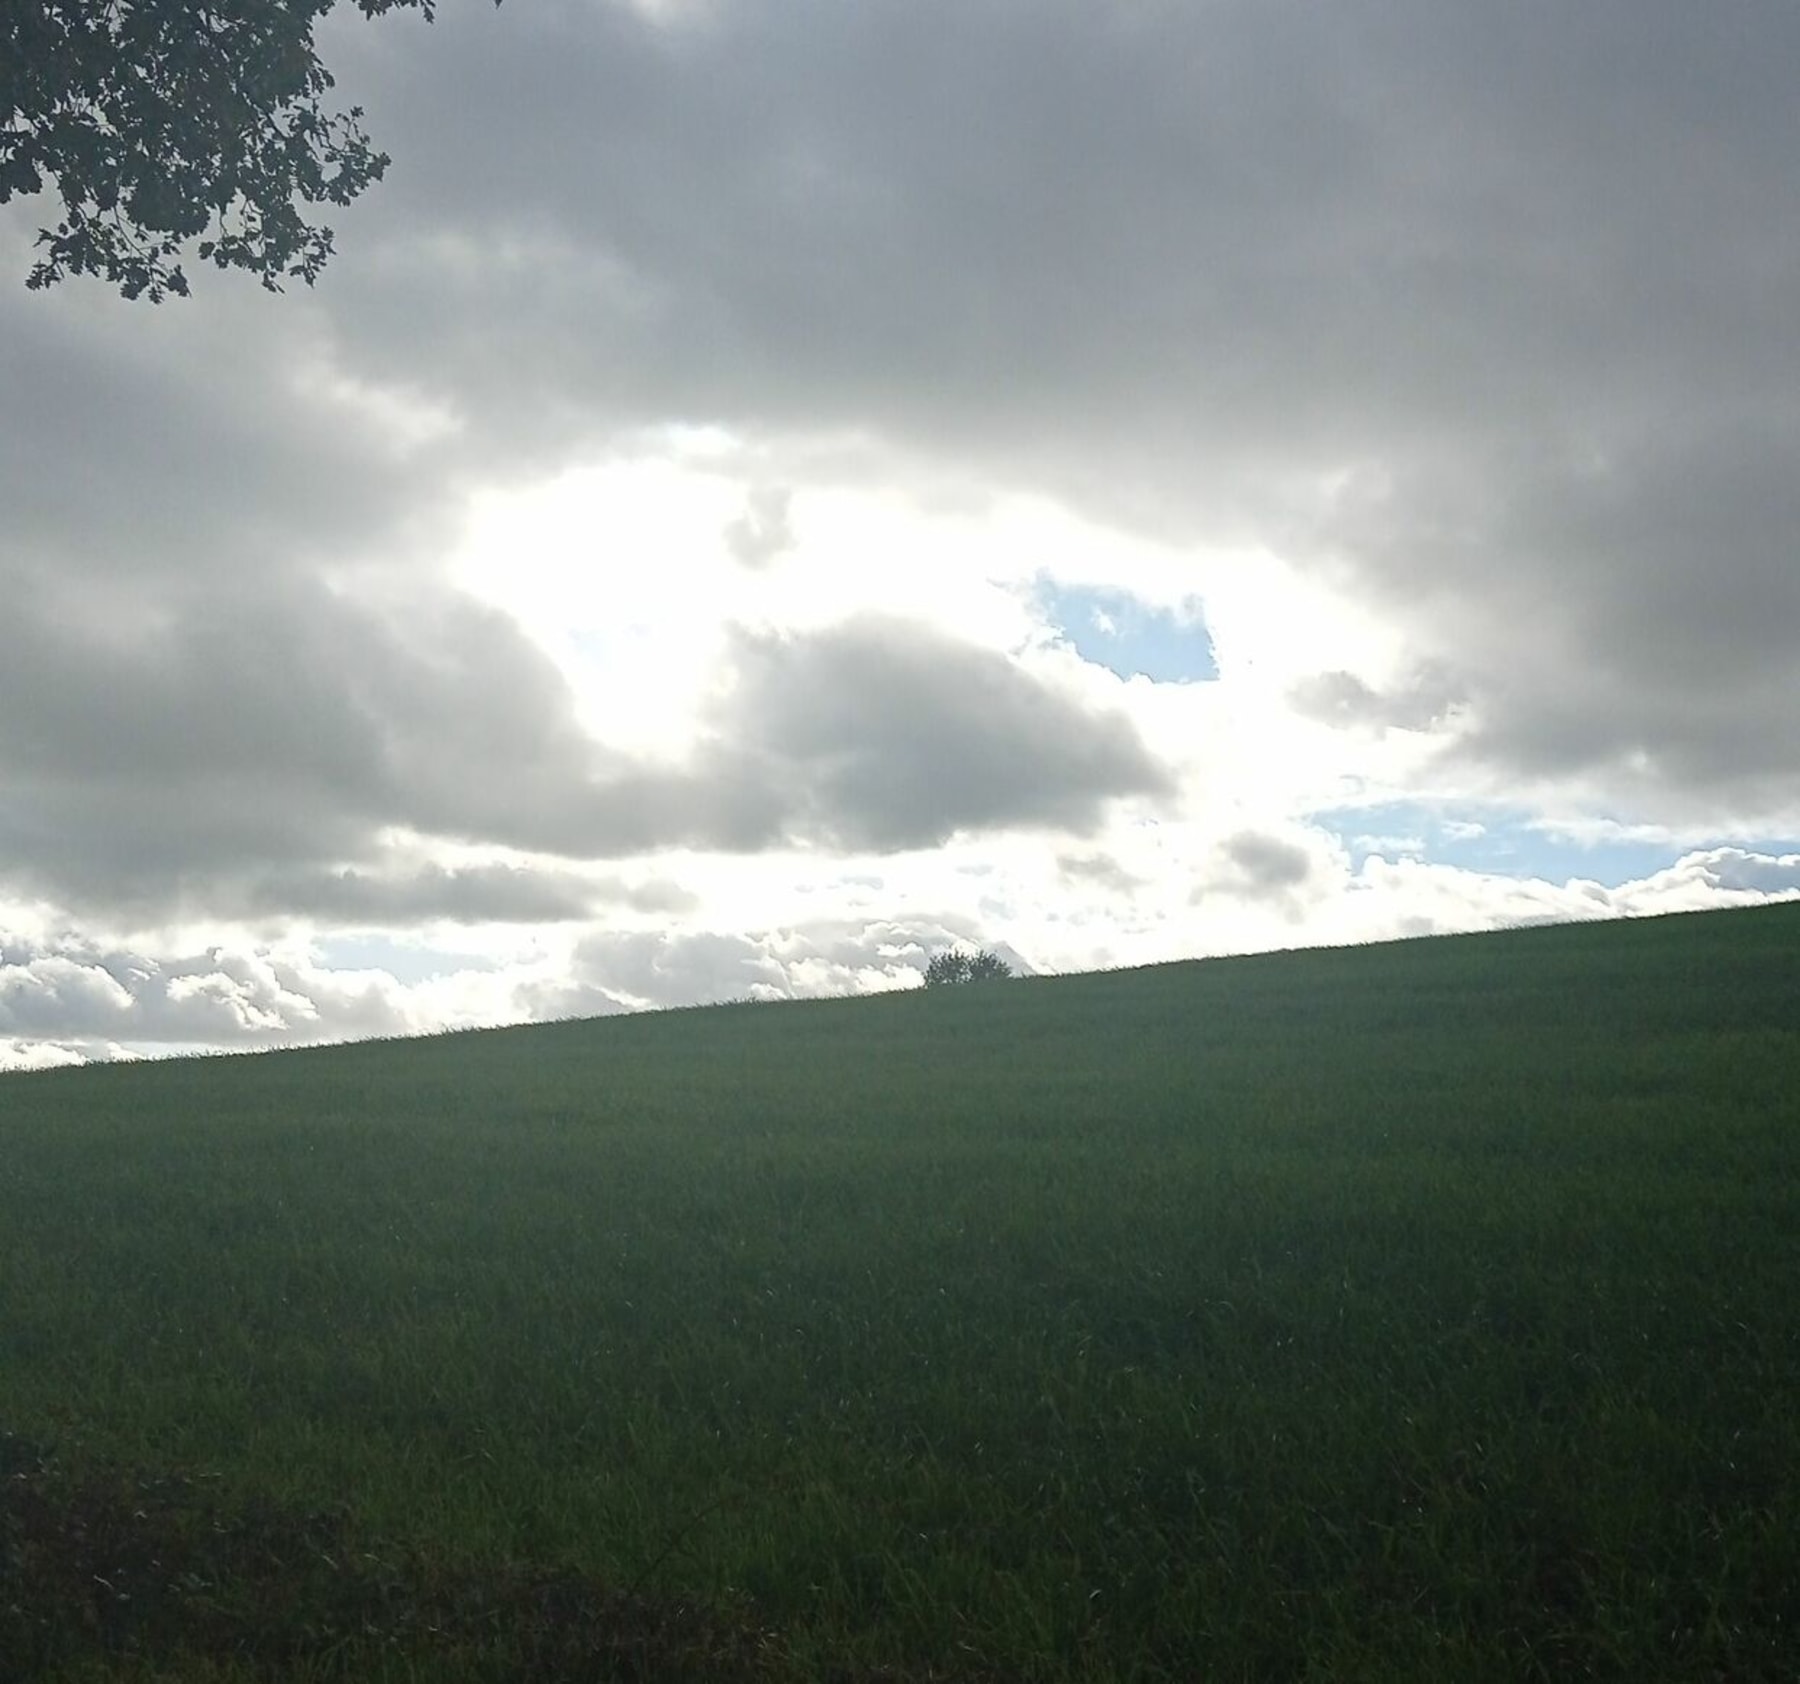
[500,894]
[243,753]
[762,532]
[891,735]
[1525,271]
[1630,621]
[1101,870]
[150,447]
[653,894]
[1267,862]
[1341,698]
[1247,220]
[613,970]
[252,740]
[1253,865]
[270,726]
[1739,870]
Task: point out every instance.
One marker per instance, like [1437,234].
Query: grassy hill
[1429,1310]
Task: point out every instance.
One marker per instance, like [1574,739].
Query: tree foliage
[165,121]
[955,967]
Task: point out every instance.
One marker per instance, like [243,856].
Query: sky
[770,489]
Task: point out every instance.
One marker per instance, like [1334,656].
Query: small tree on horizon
[955,967]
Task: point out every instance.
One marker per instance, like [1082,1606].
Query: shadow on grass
[138,1572]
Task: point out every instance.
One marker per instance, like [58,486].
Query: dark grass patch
[158,1567]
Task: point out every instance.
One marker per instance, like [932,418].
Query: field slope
[1429,1310]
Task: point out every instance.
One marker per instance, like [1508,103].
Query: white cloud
[1127,902]
[52,1055]
[1717,877]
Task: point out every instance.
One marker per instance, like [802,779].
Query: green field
[1428,1310]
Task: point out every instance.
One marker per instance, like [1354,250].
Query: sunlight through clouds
[1218,484]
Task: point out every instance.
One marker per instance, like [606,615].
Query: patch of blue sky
[402,961]
[1129,636]
[1501,843]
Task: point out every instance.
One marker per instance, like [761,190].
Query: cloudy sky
[769,488]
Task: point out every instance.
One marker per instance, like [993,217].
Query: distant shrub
[955,967]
